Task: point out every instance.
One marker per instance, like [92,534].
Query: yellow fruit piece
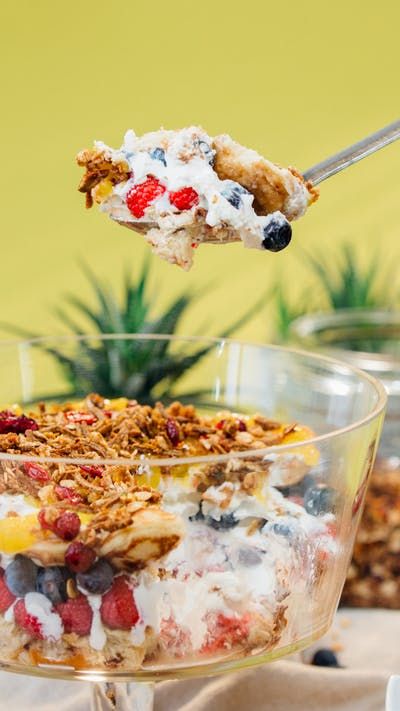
[308,451]
[152,478]
[18,533]
[118,403]
[102,190]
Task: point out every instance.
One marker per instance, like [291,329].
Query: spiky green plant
[143,369]
[342,284]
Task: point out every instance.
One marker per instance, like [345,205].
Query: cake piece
[181,188]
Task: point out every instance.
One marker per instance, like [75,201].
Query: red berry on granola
[65,525]
[142,195]
[65,493]
[36,472]
[19,424]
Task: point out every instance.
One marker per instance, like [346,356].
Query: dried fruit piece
[172,431]
[78,557]
[19,424]
[92,470]
[76,615]
[142,195]
[118,610]
[81,417]
[68,494]
[36,472]
[184,199]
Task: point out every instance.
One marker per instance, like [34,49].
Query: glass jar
[369,339]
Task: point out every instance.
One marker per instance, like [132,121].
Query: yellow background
[295,80]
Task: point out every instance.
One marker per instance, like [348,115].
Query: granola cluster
[373,579]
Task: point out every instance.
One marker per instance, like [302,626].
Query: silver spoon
[320,171]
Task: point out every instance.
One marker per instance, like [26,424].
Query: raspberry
[65,493]
[118,610]
[66,526]
[142,195]
[6,597]
[77,615]
[9,422]
[27,622]
[79,558]
[92,470]
[87,417]
[35,472]
[225,632]
[184,199]
[172,431]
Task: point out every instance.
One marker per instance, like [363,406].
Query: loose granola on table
[125,566]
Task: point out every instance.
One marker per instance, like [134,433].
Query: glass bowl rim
[144,461]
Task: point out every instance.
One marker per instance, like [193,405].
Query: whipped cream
[40,607]
[98,637]
[15,503]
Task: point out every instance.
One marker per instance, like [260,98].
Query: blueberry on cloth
[159,154]
[52,582]
[325,658]
[277,234]
[224,523]
[319,500]
[233,194]
[97,579]
[21,576]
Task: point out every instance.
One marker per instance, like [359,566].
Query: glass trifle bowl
[165,526]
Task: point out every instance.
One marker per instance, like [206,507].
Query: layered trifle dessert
[182,188]
[107,565]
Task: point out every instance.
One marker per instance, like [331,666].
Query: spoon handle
[352,154]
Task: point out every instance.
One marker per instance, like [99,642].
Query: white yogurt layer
[224,208]
[40,607]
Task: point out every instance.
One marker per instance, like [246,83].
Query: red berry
[65,493]
[27,622]
[118,609]
[9,422]
[37,473]
[87,417]
[67,526]
[77,615]
[225,632]
[172,431]
[78,557]
[242,427]
[184,199]
[92,470]
[142,195]
[220,424]
[6,597]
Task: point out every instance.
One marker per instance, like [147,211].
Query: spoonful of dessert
[183,188]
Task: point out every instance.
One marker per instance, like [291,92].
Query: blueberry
[97,579]
[249,557]
[319,500]
[199,516]
[325,658]
[52,583]
[21,576]
[224,523]
[159,154]
[277,234]
[282,529]
[206,150]
[233,194]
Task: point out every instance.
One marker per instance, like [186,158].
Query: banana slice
[151,534]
